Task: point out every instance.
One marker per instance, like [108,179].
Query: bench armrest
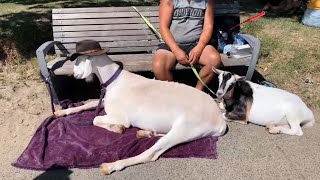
[41,52]
[255,45]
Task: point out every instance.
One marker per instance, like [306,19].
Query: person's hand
[195,54]
[181,56]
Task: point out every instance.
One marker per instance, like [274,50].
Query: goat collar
[113,77]
[104,88]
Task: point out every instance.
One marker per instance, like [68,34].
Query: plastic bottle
[238,39]
[236,50]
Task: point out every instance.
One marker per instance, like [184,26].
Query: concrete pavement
[246,152]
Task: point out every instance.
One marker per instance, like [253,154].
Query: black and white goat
[244,101]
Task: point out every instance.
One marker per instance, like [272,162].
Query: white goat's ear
[239,78]
[217,71]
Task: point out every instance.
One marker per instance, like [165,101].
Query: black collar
[113,77]
[104,88]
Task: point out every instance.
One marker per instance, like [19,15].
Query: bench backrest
[121,28]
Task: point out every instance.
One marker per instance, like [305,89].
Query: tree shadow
[77,3]
[22,33]
[26,31]
[24,2]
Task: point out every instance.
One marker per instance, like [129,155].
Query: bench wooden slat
[102,33]
[108,39]
[222,5]
[137,20]
[103,9]
[104,15]
[137,62]
[220,8]
[217,12]
[114,50]
[144,62]
[120,44]
[121,29]
[102,27]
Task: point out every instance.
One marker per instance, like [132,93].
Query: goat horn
[217,71]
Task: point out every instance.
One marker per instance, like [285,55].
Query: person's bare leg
[162,64]
[209,57]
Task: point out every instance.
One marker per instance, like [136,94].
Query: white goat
[182,112]
[280,111]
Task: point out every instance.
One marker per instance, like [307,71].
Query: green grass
[9,8]
[290,55]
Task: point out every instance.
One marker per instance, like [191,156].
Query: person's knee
[162,62]
[158,63]
[214,59]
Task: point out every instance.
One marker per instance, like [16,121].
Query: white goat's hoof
[140,134]
[118,128]
[144,133]
[58,113]
[105,168]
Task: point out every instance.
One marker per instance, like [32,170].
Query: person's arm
[165,18]
[206,34]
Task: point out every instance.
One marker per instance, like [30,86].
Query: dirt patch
[23,107]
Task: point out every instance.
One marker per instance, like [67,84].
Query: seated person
[186,27]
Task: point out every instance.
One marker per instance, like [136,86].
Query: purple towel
[72,141]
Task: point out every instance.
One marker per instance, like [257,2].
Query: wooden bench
[131,42]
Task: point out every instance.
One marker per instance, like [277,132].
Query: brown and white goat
[181,112]
[244,101]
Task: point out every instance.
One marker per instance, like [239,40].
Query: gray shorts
[185,47]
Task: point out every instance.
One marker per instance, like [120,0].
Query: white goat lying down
[280,111]
[182,112]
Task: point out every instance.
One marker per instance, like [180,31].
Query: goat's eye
[230,87]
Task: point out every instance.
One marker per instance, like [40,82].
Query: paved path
[246,152]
